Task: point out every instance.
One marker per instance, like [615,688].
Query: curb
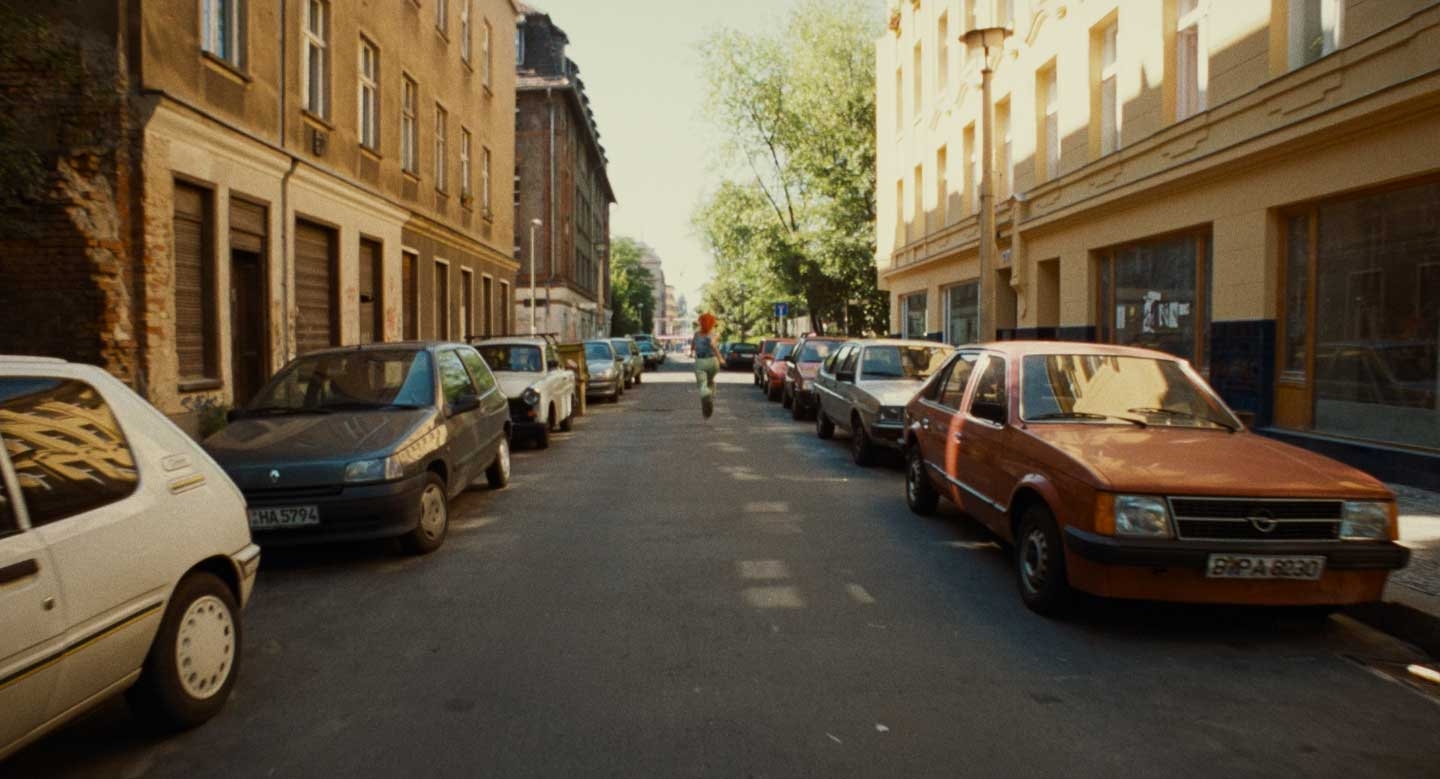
[1405,622]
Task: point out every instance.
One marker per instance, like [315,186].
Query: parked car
[775,369]
[367,442]
[607,370]
[542,393]
[630,355]
[650,354]
[125,560]
[764,356]
[801,366]
[658,349]
[1119,472]
[863,387]
[740,357]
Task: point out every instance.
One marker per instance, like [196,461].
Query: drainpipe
[554,196]
[284,203]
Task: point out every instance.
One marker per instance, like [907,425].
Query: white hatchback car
[125,556]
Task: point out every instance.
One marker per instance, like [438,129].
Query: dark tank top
[702,346]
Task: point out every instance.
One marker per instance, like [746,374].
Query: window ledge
[411,175]
[226,67]
[373,154]
[200,385]
[314,118]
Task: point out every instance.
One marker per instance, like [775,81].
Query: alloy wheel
[1034,560]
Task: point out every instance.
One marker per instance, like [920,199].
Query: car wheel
[773,393]
[797,408]
[542,437]
[824,428]
[429,532]
[1040,563]
[498,474]
[195,657]
[638,376]
[920,494]
[568,423]
[786,399]
[861,450]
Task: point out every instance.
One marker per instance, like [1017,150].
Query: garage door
[314,287]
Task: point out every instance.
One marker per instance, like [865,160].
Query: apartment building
[258,179]
[1250,185]
[561,180]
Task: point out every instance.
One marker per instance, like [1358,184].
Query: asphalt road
[658,595]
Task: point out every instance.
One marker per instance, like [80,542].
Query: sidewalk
[1411,609]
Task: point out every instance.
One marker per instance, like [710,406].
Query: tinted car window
[903,362]
[954,390]
[454,381]
[9,525]
[69,453]
[368,377]
[815,351]
[989,398]
[479,373]
[517,359]
[783,350]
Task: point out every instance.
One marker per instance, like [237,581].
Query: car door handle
[17,571]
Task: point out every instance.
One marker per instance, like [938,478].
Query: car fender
[1035,483]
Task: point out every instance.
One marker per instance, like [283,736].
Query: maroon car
[802,364]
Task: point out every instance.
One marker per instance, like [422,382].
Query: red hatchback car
[797,393]
[1119,472]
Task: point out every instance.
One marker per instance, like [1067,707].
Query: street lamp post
[534,223]
[984,39]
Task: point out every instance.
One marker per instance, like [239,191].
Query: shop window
[912,315]
[1367,368]
[1154,294]
[962,313]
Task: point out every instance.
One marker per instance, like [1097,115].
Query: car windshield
[622,348]
[646,346]
[815,351]
[783,350]
[1116,389]
[362,378]
[512,359]
[902,362]
[599,352]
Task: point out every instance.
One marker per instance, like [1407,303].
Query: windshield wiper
[1085,415]
[1175,412]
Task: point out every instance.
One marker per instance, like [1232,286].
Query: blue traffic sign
[782,310]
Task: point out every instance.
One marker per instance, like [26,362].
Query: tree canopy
[632,288]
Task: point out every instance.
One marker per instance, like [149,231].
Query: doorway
[247,324]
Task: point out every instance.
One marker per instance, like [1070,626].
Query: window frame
[1048,103]
[487,53]
[442,308]
[972,391]
[1105,290]
[442,151]
[235,43]
[949,373]
[1331,11]
[317,45]
[442,18]
[1192,23]
[369,83]
[465,43]
[466,191]
[409,125]
[211,376]
[485,183]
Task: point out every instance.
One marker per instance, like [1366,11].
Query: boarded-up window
[487,306]
[194,285]
[467,306]
[314,287]
[442,300]
[504,308]
[372,309]
[409,284]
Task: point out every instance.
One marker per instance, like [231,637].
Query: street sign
[782,310]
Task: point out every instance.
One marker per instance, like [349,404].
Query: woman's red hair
[707,322]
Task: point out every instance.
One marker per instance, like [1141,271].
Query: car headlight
[891,413]
[606,374]
[1139,515]
[385,469]
[1365,521]
[530,396]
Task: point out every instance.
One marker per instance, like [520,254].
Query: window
[441,162]
[962,313]
[1371,266]
[1004,13]
[1049,95]
[1315,27]
[410,291]
[520,44]
[485,181]
[467,304]
[990,401]
[442,300]
[409,126]
[1108,40]
[1152,295]
[504,305]
[942,187]
[195,321]
[953,391]
[464,163]
[487,306]
[455,381]
[487,54]
[479,371]
[465,30]
[1192,70]
[912,315]
[942,52]
[917,81]
[972,171]
[848,364]
[69,452]
[316,68]
[1003,177]
[369,95]
[442,16]
[222,30]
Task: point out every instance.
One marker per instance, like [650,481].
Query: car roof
[521,340]
[1022,348]
[921,342]
[30,359]
[383,346]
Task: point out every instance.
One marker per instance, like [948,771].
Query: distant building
[650,261]
[1253,186]
[561,180]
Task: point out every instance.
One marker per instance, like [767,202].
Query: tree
[632,288]
[797,106]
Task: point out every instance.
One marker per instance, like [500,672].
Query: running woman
[707,363]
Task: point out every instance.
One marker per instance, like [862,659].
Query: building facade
[1251,186]
[265,184]
[561,181]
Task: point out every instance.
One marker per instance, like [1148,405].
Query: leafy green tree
[797,108]
[632,289]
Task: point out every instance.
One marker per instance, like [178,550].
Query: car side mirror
[464,403]
[989,411]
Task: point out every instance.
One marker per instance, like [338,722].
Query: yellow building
[1253,185]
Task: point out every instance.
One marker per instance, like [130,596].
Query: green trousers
[705,370]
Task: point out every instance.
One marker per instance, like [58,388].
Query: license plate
[1254,566]
[284,516]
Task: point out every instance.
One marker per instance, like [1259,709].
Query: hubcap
[1035,560]
[205,647]
[504,458]
[912,479]
[857,439]
[432,512]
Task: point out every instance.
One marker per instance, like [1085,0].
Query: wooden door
[314,287]
[247,325]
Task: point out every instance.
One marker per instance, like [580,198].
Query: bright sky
[641,67]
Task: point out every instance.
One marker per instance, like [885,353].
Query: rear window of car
[783,350]
[815,351]
[69,453]
[744,349]
[622,348]
[595,351]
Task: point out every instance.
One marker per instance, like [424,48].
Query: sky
[640,63]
